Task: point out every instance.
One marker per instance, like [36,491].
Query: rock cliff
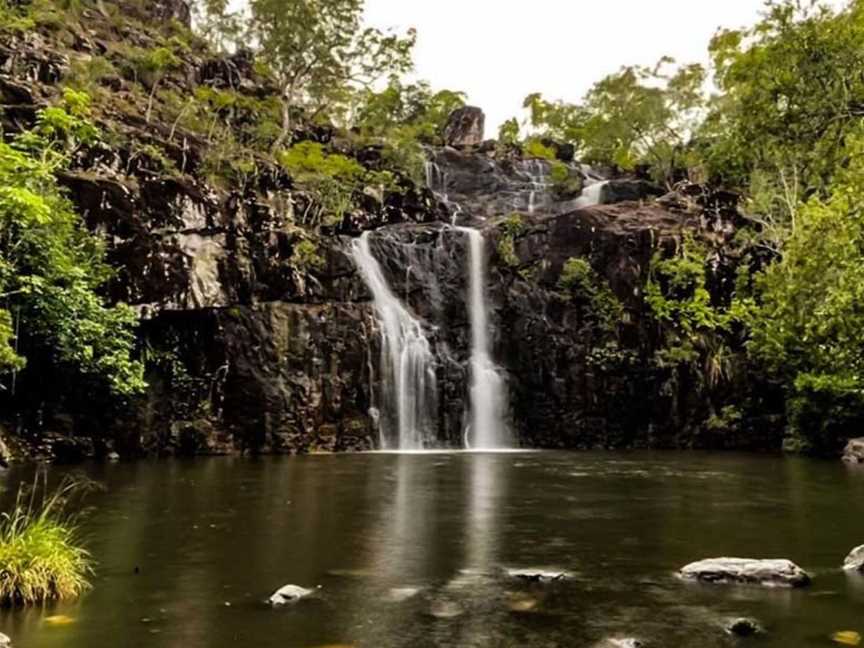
[250,351]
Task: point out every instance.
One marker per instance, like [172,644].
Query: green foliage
[319,52]
[808,328]
[511,227]
[333,179]
[792,91]
[536,149]
[306,255]
[579,281]
[15,18]
[508,132]
[403,117]
[696,331]
[50,266]
[41,557]
[637,116]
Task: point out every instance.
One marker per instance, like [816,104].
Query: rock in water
[628,642]
[746,571]
[289,594]
[847,638]
[854,452]
[465,127]
[855,560]
[5,642]
[743,627]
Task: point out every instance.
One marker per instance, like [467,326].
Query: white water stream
[408,384]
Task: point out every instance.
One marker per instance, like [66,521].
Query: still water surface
[212,539]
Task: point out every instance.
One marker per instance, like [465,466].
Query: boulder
[289,594]
[746,571]
[615,191]
[465,127]
[5,641]
[855,560]
[854,452]
[743,627]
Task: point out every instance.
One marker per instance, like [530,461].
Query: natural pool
[410,550]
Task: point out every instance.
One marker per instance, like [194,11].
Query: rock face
[465,127]
[854,451]
[251,349]
[855,560]
[745,571]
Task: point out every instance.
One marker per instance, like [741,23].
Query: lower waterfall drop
[488,429]
[408,383]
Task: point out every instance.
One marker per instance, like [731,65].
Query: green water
[189,551]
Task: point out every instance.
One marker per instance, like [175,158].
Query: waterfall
[436,181]
[487,430]
[537,181]
[408,384]
[592,193]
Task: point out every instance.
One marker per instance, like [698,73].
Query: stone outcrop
[855,560]
[746,571]
[854,451]
[465,127]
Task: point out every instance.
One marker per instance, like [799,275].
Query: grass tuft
[41,557]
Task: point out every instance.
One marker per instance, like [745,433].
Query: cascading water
[487,429]
[408,384]
[592,194]
[538,183]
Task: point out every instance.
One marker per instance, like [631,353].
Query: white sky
[499,51]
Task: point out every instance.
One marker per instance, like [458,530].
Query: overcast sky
[499,51]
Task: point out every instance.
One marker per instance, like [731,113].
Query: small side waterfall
[537,181]
[408,384]
[592,193]
[488,429]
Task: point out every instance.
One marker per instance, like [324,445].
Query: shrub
[513,226]
[41,557]
[536,149]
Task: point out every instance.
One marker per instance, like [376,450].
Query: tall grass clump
[41,557]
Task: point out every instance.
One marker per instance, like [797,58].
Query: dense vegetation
[783,130]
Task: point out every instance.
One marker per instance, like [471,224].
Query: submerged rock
[746,571]
[855,560]
[854,452]
[743,627]
[290,594]
[445,609]
[538,575]
[628,642]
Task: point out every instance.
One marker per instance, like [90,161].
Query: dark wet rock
[626,190]
[855,560]
[743,627]
[171,10]
[538,575]
[465,127]
[746,571]
[854,451]
[290,594]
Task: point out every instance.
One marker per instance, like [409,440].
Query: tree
[50,266]
[808,328]
[792,91]
[318,50]
[636,116]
